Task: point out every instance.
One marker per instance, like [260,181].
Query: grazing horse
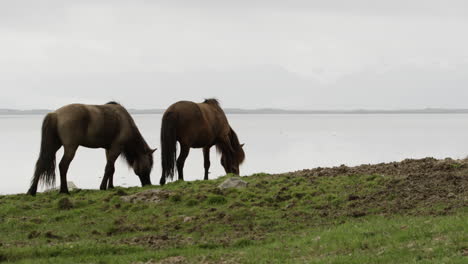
[198,125]
[107,126]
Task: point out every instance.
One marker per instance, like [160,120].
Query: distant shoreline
[269,111]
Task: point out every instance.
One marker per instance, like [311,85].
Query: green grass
[276,219]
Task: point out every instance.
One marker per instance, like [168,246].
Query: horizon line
[427,110]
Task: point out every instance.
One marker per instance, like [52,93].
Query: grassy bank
[369,214]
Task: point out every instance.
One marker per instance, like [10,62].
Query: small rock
[451,195]
[71,186]
[429,249]
[234,182]
[188,219]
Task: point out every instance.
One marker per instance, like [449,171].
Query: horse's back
[92,126]
[186,115]
[72,122]
[198,124]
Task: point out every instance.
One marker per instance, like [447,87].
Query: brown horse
[107,126]
[200,125]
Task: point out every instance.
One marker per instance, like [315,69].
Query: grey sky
[250,54]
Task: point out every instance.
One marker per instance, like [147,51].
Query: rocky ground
[412,184]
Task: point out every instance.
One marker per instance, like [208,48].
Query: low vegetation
[412,211]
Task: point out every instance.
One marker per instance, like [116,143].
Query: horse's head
[143,166]
[231,164]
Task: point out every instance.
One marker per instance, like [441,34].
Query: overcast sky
[328,54]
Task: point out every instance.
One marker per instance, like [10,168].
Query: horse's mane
[239,154]
[233,151]
[133,149]
[136,145]
[211,101]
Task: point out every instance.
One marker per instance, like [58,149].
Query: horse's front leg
[206,157]
[108,179]
[110,183]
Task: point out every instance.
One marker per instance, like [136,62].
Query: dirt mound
[151,196]
[411,184]
[407,167]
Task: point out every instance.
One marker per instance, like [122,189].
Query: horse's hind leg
[184,151]
[108,179]
[68,155]
[40,167]
[206,157]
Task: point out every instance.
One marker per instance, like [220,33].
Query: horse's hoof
[32,191]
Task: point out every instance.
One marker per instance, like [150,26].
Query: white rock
[71,186]
[234,182]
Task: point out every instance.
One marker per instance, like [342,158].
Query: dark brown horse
[107,126]
[195,125]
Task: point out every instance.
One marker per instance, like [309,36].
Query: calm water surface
[274,143]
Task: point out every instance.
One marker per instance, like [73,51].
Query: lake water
[274,144]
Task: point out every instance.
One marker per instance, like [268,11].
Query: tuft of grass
[175,198]
[216,200]
[64,204]
[241,243]
[191,203]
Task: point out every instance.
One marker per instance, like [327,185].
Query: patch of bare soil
[170,260]
[156,241]
[149,196]
[411,184]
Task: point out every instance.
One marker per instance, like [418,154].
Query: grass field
[318,216]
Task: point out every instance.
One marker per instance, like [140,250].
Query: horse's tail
[168,146]
[50,143]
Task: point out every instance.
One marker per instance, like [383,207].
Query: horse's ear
[153,150]
[242,145]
